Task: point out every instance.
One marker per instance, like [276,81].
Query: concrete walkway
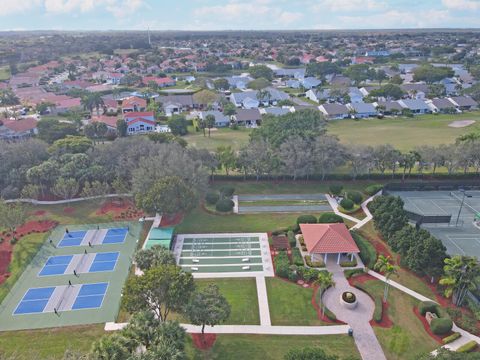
[334,205]
[399,286]
[358,318]
[263,301]
[56,202]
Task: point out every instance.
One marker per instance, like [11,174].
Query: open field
[4,73]
[403,133]
[221,137]
[273,347]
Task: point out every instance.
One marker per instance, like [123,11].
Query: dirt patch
[203,341]
[427,327]
[120,210]
[360,279]
[171,220]
[461,123]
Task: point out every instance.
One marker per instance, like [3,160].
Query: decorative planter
[348,300]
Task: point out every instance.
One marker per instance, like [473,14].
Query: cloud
[118,8]
[461,4]
[16,6]
[349,5]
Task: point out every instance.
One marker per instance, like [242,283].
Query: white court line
[454,244]
[412,203]
[441,209]
[220,257]
[222,265]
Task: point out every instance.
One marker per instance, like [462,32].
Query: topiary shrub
[224,205]
[347,204]
[227,190]
[373,189]
[212,197]
[428,306]
[377,313]
[282,270]
[329,218]
[297,257]
[352,272]
[451,338]
[441,326]
[281,231]
[335,189]
[307,219]
[469,346]
[291,239]
[292,276]
[355,196]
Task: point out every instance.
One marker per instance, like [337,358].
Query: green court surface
[221,254]
[107,308]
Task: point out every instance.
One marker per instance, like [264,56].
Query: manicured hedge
[355,196]
[227,190]
[349,263]
[377,313]
[368,254]
[347,204]
[314,264]
[441,326]
[291,239]
[281,231]
[351,272]
[212,197]
[282,264]
[306,219]
[428,306]
[373,189]
[224,205]
[329,217]
[297,257]
[335,189]
[451,338]
[330,315]
[469,346]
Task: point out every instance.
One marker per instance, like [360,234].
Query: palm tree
[324,280]
[460,274]
[209,122]
[384,265]
[93,101]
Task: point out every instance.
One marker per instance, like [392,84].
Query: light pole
[461,205]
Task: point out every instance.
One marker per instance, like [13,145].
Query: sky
[236,14]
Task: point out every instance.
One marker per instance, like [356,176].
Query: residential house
[66,105]
[139,122]
[311,82]
[18,129]
[355,95]
[239,82]
[388,107]
[134,104]
[221,120]
[293,83]
[276,111]
[416,106]
[245,99]
[463,103]
[318,95]
[176,104]
[334,111]
[416,91]
[362,110]
[160,81]
[110,121]
[248,117]
[339,80]
[110,105]
[298,73]
[441,106]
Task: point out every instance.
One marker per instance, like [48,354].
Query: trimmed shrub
[224,205]
[373,189]
[351,272]
[336,189]
[292,276]
[469,346]
[451,338]
[349,263]
[355,196]
[330,315]
[368,254]
[297,257]
[301,240]
[307,274]
[329,218]
[291,239]
[306,219]
[440,326]
[347,204]
[227,190]
[314,264]
[377,313]
[281,231]
[428,306]
[212,197]
[282,270]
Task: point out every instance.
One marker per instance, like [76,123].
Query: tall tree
[324,280]
[226,158]
[157,255]
[209,122]
[384,265]
[66,188]
[460,276]
[12,215]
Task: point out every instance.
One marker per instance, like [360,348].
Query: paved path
[56,202]
[282,208]
[334,205]
[366,211]
[263,301]
[399,286]
[358,319]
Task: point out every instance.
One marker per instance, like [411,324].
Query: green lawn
[221,137]
[282,202]
[50,343]
[272,347]
[407,339]
[23,253]
[403,133]
[241,294]
[291,304]
[4,73]
[199,221]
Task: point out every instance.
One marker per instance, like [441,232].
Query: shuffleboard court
[215,254]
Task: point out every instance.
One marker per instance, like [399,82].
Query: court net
[64,296]
[465,203]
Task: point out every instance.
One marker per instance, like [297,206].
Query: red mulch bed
[39,213]
[427,327]
[203,342]
[124,210]
[386,321]
[171,220]
[360,279]
[280,242]
[6,247]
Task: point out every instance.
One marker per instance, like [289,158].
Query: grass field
[407,339]
[241,294]
[273,347]
[221,137]
[4,73]
[290,304]
[403,133]
[282,202]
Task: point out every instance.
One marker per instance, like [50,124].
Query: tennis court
[72,284]
[93,237]
[62,298]
[204,254]
[459,239]
[79,263]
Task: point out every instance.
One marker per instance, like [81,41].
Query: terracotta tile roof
[141,120]
[132,115]
[328,238]
[21,125]
[110,121]
[134,100]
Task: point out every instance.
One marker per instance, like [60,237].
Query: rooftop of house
[328,238]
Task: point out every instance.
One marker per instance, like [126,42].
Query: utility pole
[461,205]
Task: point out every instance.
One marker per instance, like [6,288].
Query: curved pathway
[358,319]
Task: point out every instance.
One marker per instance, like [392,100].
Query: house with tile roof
[140,122]
[134,104]
[18,129]
[323,240]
